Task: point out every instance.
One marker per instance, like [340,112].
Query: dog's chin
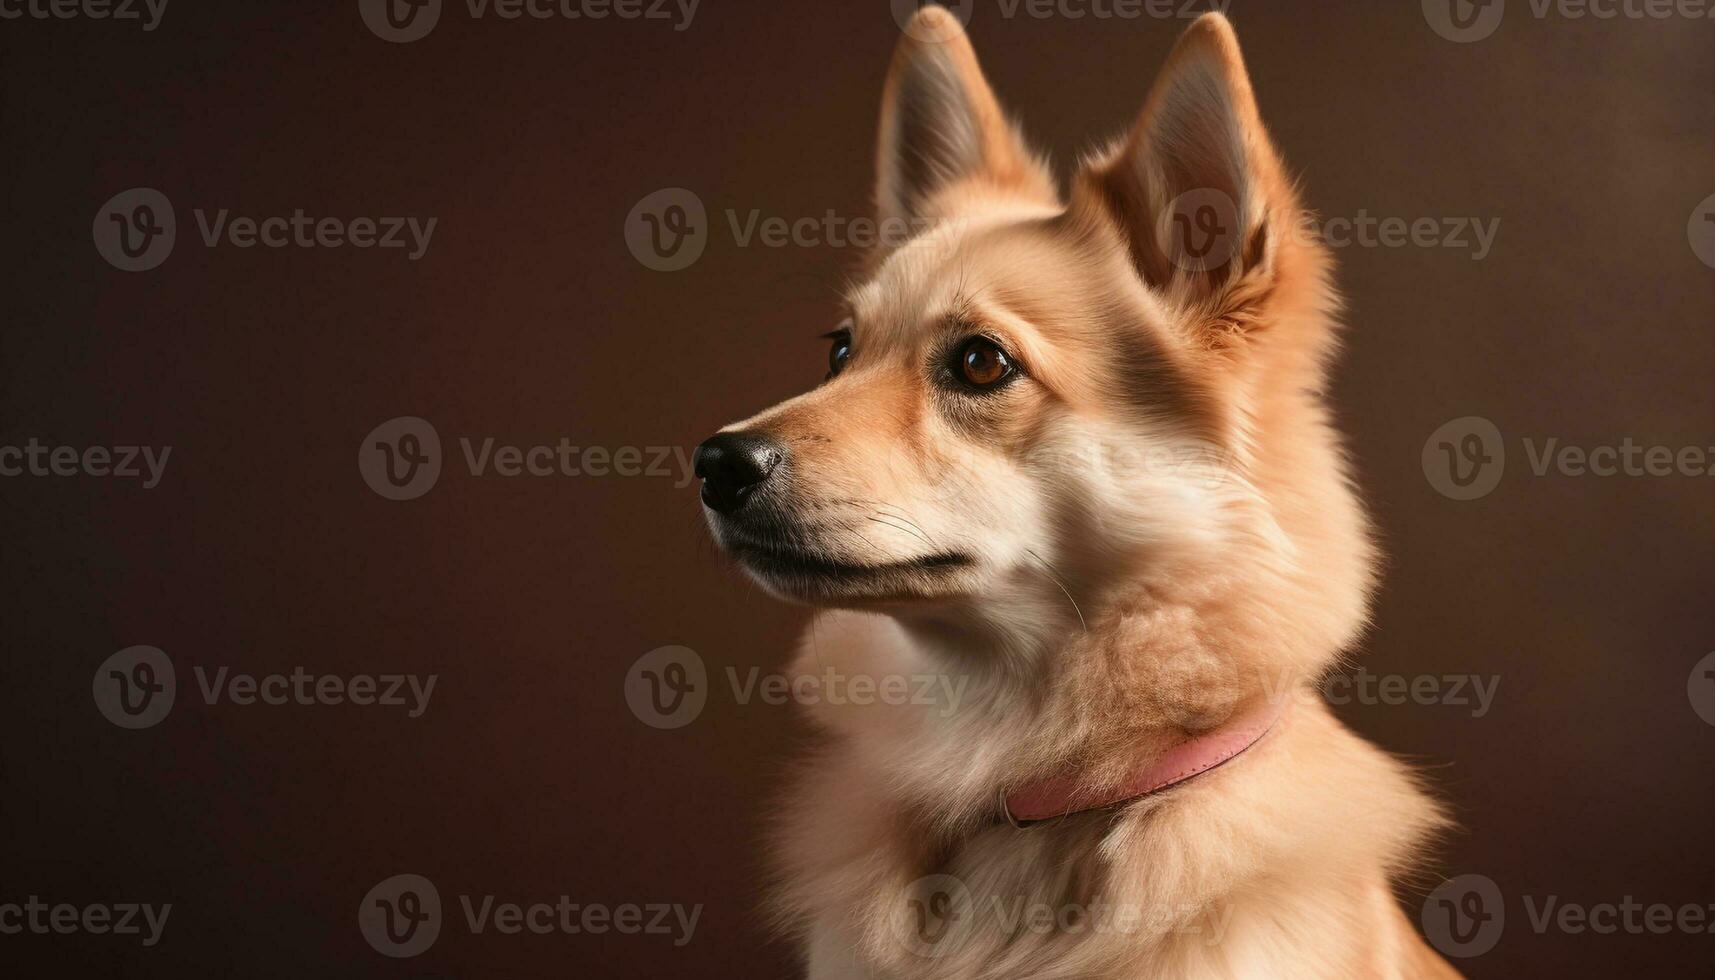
[811,576]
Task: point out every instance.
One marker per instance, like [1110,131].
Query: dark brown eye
[840,352]
[982,364]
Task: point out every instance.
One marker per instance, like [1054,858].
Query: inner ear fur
[1196,187]
[941,127]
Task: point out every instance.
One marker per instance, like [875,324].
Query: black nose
[732,465]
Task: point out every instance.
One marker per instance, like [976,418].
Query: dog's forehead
[936,274]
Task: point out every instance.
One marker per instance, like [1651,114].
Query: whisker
[902,516]
[901,527]
[1050,570]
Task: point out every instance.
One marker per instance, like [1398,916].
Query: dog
[1072,453]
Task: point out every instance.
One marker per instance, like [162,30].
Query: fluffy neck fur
[1200,870]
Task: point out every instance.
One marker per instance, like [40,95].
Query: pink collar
[1066,795]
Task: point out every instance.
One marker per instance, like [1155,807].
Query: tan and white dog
[1072,453]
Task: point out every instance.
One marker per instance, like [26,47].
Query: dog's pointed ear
[942,126]
[1196,188]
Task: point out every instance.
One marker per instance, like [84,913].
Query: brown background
[529,320]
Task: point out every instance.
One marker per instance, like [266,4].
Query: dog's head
[1032,396]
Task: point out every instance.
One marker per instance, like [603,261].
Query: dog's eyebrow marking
[847,324]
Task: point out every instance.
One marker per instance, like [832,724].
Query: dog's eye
[840,352]
[982,364]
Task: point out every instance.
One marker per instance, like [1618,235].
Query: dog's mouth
[806,573]
[796,561]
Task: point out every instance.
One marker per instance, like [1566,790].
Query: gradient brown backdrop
[529,320]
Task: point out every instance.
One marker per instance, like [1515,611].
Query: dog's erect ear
[1196,187]
[941,126]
